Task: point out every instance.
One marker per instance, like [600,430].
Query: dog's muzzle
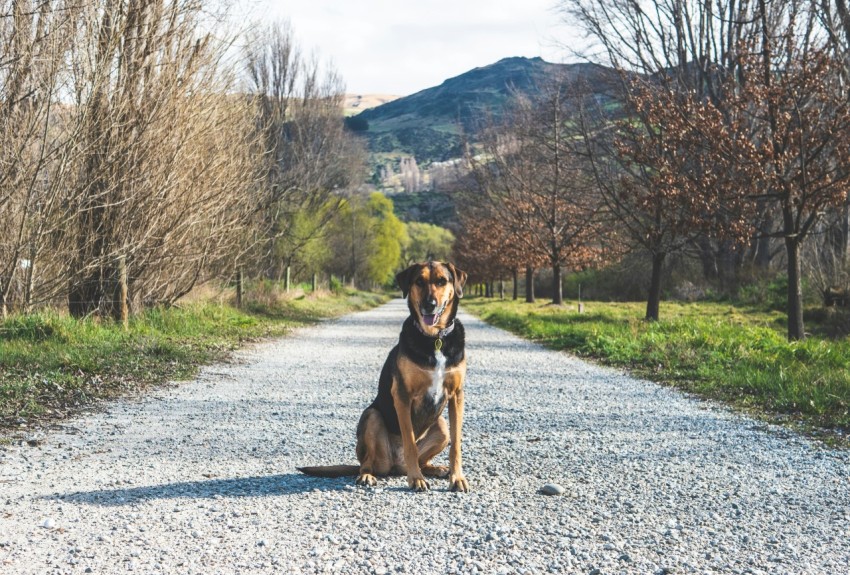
[430,317]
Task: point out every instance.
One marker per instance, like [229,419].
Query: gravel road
[200,478]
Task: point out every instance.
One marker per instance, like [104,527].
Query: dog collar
[440,334]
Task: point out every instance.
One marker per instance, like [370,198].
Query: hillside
[428,124]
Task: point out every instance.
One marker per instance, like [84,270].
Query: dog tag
[438,344]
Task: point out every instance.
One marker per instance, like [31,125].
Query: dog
[404,429]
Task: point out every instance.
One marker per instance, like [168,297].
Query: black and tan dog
[403,428]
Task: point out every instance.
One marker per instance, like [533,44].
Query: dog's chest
[436,391]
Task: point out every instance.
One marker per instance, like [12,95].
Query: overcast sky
[385,47]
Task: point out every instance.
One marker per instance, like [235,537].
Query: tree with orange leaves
[535,186]
[742,110]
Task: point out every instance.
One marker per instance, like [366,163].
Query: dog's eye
[420,282]
[441,282]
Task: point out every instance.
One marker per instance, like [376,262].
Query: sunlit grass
[735,354]
[51,363]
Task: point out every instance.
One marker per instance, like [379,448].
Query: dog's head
[432,290]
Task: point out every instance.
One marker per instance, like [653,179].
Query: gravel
[200,478]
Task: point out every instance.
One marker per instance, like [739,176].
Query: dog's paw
[418,484]
[367,479]
[460,484]
[441,471]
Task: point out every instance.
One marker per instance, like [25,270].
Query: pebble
[48,523]
[552,489]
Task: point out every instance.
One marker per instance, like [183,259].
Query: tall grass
[734,354]
[51,364]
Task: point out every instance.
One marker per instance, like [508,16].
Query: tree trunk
[239,287]
[501,288]
[516,284]
[707,258]
[529,284]
[795,291]
[844,247]
[653,302]
[557,288]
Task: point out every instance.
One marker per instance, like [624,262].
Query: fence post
[123,310]
[239,288]
[30,279]
[580,304]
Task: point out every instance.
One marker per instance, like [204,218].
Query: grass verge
[52,365]
[718,351]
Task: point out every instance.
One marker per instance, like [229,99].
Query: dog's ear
[405,278]
[459,277]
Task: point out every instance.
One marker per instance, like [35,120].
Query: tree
[161,180]
[798,114]
[365,240]
[427,242]
[388,237]
[34,155]
[531,174]
[309,158]
[660,178]
[761,97]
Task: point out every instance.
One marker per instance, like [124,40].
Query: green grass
[51,364]
[735,354]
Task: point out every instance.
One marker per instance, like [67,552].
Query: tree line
[730,143]
[146,148]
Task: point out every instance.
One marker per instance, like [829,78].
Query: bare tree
[756,87]
[34,150]
[164,170]
[309,158]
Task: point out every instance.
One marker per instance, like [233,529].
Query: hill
[428,124]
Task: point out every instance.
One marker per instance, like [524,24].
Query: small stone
[261,543]
[552,489]
[48,523]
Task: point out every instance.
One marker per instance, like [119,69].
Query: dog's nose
[430,305]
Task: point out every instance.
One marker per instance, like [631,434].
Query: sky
[384,47]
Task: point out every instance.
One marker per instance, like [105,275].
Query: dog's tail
[331,470]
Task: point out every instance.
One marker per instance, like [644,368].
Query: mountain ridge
[429,124]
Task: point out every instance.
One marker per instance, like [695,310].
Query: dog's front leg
[401,400]
[456,479]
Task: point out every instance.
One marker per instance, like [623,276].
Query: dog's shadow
[236,487]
